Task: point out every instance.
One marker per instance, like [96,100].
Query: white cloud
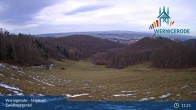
[116,14]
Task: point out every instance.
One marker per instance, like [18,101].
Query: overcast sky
[54,16]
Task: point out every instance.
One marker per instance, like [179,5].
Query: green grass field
[81,80]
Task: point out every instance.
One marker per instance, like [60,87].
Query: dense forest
[28,50]
[20,49]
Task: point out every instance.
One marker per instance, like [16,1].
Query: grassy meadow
[82,80]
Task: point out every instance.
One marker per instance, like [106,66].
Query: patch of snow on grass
[18,93]
[43,82]
[76,95]
[40,94]
[122,95]
[127,91]
[12,89]
[9,87]
[192,92]
[148,92]
[145,99]
[164,96]
[34,94]
[178,95]
[20,72]
[29,81]
[183,87]
[151,97]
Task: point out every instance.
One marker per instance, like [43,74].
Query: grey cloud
[22,11]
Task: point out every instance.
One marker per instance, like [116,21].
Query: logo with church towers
[163,18]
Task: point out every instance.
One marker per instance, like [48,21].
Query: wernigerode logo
[165,18]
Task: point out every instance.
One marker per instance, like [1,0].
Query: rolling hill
[163,52]
[76,47]
[124,37]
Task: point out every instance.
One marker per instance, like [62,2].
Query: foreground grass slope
[81,80]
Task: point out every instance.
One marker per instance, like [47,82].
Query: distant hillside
[162,52]
[76,47]
[124,37]
[150,43]
[190,43]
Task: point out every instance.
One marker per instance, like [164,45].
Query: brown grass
[77,77]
